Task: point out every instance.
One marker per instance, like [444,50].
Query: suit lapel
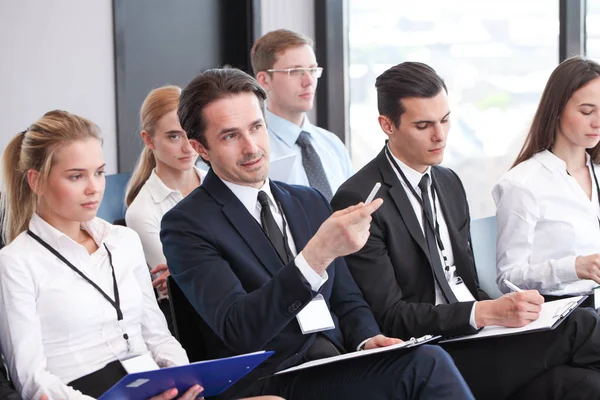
[443,191]
[400,198]
[295,216]
[244,223]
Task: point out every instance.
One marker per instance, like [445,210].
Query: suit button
[294,307]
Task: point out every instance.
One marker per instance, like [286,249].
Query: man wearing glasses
[286,67]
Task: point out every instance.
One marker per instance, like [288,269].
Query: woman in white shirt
[165,174]
[548,203]
[75,293]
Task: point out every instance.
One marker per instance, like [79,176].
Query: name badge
[461,291]
[315,316]
[140,363]
[597,297]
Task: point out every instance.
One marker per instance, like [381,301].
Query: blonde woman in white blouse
[75,294]
[548,210]
[164,175]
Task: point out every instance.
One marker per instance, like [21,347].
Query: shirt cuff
[360,346]
[314,280]
[472,318]
[565,269]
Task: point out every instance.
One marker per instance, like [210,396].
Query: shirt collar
[286,130]
[413,176]
[249,195]
[553,162]
[158,190]
[98,229]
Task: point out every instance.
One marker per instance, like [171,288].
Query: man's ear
[147,138]
[264,79]
[387,126]
[200,149]
[33,179]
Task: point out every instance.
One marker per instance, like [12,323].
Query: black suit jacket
[224,263]
[393,269]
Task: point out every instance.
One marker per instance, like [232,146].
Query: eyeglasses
[314,72]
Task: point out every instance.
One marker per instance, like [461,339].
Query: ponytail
[17,202]
[140,175]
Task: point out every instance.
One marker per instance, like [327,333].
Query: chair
[483,237]
[113,203]
[195,336]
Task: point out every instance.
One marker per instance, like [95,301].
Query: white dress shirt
[146,211]
[414,177]
[332,152]
[249,198]
[545,220]
[57,328]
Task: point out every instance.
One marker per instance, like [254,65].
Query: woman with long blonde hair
[75,295]
[165,174]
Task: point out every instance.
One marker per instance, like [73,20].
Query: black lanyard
[597,185]
[435,227]
[116,303]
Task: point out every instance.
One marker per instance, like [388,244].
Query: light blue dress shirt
[334,156]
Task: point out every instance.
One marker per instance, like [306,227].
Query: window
[495,58]
[592,27]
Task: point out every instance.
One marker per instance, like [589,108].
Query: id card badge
[139,363]
[461,291]
[597,297]
[315,317]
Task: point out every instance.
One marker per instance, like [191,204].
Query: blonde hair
[159,102]
[35,149]
[265,50]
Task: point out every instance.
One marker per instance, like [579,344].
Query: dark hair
[566,79]
[208,87]
[409,79]
[265,50]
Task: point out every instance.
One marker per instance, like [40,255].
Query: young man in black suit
[250,254]
[417,271]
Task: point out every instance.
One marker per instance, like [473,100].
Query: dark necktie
[434,255]
[313,166]
[271,228]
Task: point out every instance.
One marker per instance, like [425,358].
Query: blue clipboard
[214,375]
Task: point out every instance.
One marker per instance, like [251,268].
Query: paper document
[281,168]
[404,345]
[553,312]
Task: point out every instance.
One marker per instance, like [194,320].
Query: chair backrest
[483,236]
[113,202]
[195,336]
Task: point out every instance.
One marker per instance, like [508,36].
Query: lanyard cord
[116,303]
[434,227]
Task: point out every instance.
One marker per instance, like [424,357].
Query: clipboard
[214,375]
[552,315]
[409,344]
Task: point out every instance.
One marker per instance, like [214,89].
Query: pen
[373,193]
[511,286]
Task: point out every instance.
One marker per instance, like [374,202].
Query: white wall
[57,54]
[295,15]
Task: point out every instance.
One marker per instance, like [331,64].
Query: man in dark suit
[250,254]
[417,271]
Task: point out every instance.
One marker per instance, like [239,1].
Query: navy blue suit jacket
[228,269]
